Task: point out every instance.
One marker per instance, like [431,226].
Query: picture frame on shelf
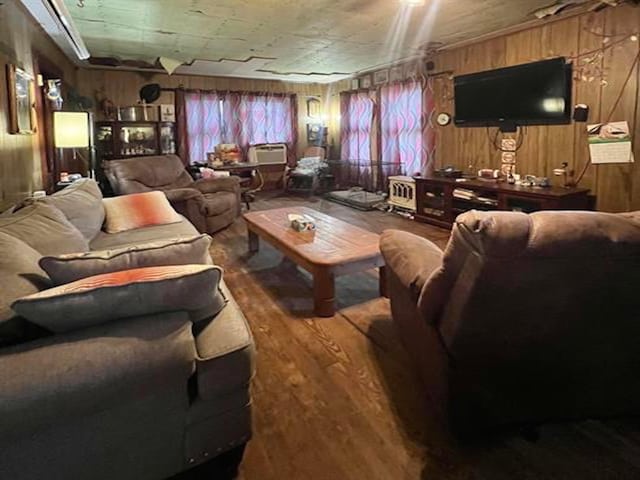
[167,113]
[365,81]
[380,77]
[21,95]
[355,84]
[396,74]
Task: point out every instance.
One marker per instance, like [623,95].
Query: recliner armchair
[523,318]
[210,204]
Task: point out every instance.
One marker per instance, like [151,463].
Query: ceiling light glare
[413,3]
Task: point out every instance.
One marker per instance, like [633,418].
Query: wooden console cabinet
[438,202]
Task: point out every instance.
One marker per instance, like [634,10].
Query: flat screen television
[536,93]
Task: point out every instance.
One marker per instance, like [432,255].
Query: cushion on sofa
[45,228]
[81,203]
[141,291]
[137,210]
[20,275]
[177,251]
[105,241]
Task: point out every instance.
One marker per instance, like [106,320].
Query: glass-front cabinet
[138,139]
[134,139]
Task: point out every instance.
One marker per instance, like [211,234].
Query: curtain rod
[214,90]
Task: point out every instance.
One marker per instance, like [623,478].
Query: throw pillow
[137,210]
[45,229]
[140,291]
[19,276]
[179,251]
[81,203]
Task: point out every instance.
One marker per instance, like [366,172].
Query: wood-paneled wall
[122,88]
[617,186]
[21,41]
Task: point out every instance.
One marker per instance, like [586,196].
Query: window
[242,118]
[252,119]
[401,128]
[356,123]
[204,124]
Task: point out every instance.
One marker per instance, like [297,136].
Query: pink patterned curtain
[203,124]
[356,113]
[401,121]
[428,127]
[256,118]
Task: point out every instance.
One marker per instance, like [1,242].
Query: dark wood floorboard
[337,398]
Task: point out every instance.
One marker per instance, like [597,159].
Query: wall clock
[443,119]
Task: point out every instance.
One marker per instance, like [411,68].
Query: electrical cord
[520,134]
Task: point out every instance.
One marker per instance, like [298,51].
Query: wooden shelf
[508,198]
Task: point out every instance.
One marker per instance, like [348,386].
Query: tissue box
[301,223]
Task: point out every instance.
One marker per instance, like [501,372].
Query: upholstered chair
[522,318]
[210,204]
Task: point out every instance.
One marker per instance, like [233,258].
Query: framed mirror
[313,107]
[20,88]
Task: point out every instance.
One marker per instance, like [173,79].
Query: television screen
[531,94]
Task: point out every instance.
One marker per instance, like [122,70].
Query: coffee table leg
[254,242]
[382,279]
[324,293]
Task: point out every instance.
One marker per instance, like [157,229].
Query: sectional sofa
[139,397]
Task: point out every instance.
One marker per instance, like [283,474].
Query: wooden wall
[617,186]
[21,43]
[122,88]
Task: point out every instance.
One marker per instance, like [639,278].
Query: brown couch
[523,318]
[141,397]
[209,204]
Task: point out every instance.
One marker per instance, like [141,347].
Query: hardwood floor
[337,398]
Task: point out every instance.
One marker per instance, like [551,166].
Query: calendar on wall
[610,143]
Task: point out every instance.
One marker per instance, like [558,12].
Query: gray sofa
[134,398]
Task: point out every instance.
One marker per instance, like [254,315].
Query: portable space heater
[402,192]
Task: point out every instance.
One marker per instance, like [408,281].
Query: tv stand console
[440,200]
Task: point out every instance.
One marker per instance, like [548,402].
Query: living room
[332,240]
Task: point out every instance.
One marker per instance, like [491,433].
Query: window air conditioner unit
[54,18]
[268,154]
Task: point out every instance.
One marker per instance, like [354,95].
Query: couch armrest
[213,185]
[183,194]
[411,258]
[94,369]
[226,352]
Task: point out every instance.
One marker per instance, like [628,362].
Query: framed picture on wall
[380,77]
[20,88]
[411,70]
[314,133]
[168,112]
[395,74]
[313,107]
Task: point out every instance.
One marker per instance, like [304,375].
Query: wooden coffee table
[334,248]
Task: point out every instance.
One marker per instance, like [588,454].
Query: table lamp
[73,130]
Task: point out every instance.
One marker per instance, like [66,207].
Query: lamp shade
[71,129]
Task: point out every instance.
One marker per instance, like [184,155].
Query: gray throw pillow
[44,228]
[141,291]
[178,251]
[81,203]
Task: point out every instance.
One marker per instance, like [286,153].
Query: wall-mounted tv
[536,93]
